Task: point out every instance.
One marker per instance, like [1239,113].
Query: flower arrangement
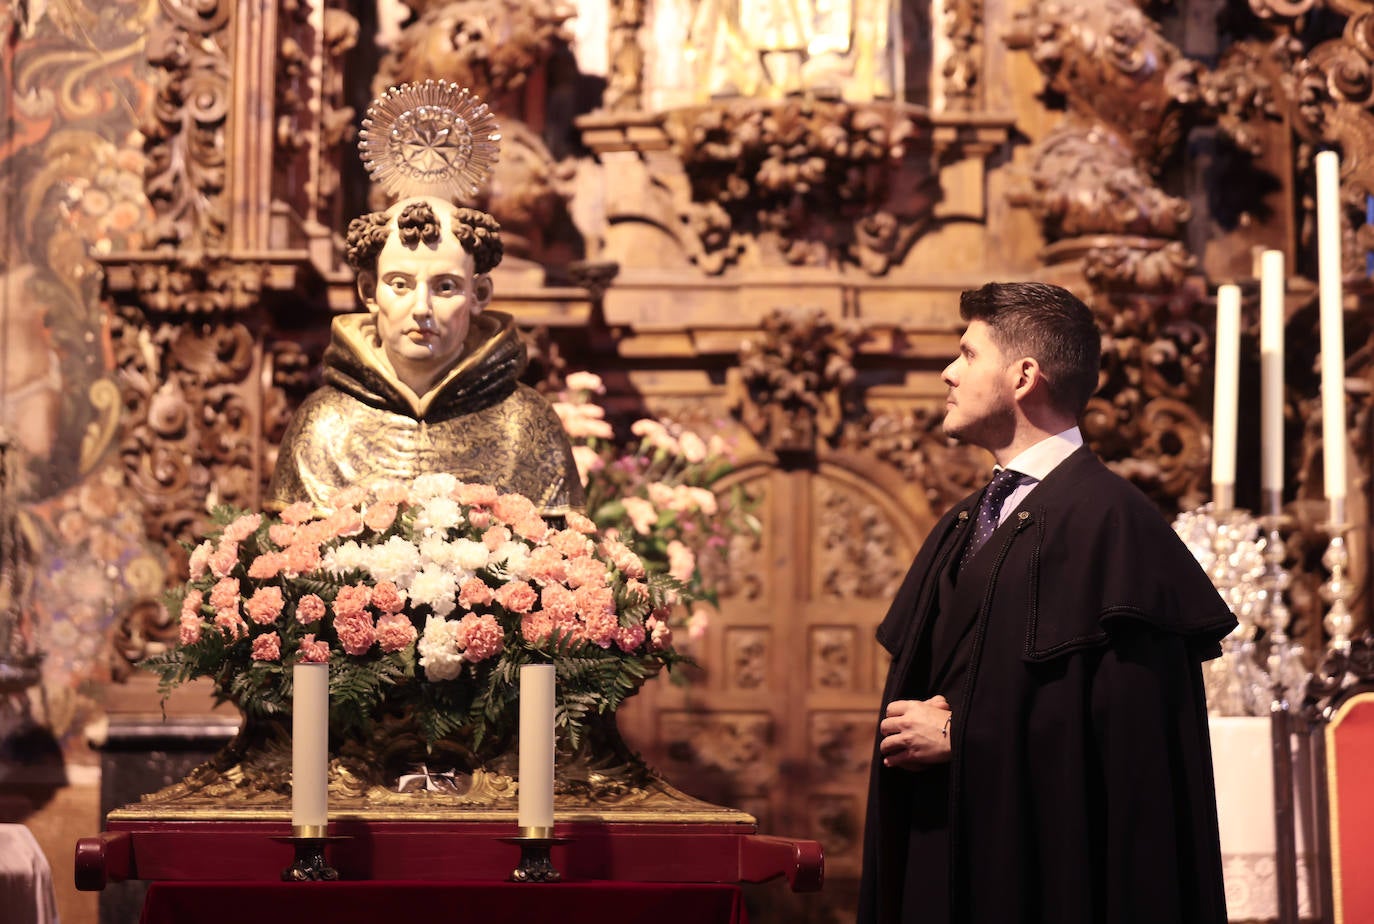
[660,494]
[424,597]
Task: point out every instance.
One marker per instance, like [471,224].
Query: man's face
[980,409]
[424,302]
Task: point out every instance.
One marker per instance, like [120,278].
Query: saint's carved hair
[1049,324]
[478,232]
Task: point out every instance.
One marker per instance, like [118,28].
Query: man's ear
[367,288]
[481,293]
[1029,377]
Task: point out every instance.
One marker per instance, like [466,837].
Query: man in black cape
[1042,754]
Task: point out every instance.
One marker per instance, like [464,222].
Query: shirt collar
[1042,458]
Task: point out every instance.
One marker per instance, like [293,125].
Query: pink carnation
[267,566]
[282,534]
[390,491]
[475,494]
[190,606]
[351,496]
[479,636]
[191,629]
[637,588]
[480,519]
[660,633]
[394,632]
[642,514]
[558,602]
[681,561]
[387,598]
[313,652]
[200,560]
[309,608]
[356,632]
[379,517]
[536,628]
[228,621]
[298,513]
[345,522]
[267,647]
[532,528]
[588,571]
[571,543]
[351,601]
[512,508]
[624,559]
[243,527]
[265,605]
[225,593]
[629,638]
[546,565]
[580,523]
[516,597]
[495,537]
[474,592]
[302,558]
[224,558]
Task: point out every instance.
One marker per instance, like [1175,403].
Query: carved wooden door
[779,721]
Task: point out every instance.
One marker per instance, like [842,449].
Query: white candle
[1227,395]
[536,747]
[1332,330]
[310,748]
[1271,372]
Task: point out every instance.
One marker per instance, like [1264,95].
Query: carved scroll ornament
[762,170]
[789,388]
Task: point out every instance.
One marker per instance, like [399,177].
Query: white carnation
[440,655]
[395,560]
[438,551]
[439,514]
[470,555]
[434,484]
[511,559]
[435,588]
[348,556]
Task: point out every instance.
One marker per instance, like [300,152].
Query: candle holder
[1227,543]
[536,862]
[309,864]
[1284,664]
[1338,622]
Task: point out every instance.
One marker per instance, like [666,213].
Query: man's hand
[915,733]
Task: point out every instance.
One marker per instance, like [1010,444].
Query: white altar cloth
[1244,769]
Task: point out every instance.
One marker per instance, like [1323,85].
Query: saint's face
[980,407]
[424,303]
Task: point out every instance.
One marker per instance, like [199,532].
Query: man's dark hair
[478,232]
[1049,324]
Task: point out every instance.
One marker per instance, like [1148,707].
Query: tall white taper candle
[536,747]
[1227,396]
[310,749]
[1271,374]
[1332,330]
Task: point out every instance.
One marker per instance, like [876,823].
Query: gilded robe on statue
[477,423]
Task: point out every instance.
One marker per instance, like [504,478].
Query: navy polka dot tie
[990,509]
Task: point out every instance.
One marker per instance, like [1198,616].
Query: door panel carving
[779,721]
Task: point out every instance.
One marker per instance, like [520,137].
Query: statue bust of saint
[427,379]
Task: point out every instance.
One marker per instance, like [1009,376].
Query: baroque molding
[962,68]
[791,388]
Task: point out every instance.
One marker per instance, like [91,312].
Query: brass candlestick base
[536,863]
[309,864]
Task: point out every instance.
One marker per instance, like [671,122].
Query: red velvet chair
[1338,718]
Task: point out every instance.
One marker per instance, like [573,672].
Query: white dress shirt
[1036,463]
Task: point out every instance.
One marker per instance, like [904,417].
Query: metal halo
[429,139]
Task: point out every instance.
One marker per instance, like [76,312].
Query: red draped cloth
[479,902]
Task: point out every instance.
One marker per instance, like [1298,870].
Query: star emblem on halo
[429,139]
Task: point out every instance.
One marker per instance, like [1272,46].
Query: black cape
[1081,785]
